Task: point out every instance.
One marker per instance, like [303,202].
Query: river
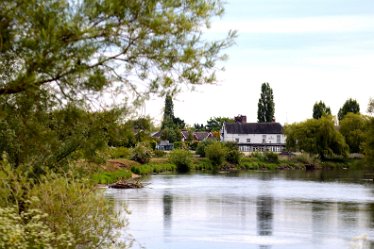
[262,210]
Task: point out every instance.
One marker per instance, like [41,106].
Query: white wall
[254,138]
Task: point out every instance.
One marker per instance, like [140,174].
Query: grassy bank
[117,169]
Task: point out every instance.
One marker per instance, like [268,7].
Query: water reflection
[264,211]
[258,211]
[167,201]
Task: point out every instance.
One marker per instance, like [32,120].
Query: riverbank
[123,169]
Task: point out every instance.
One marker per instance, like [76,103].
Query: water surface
[290,209]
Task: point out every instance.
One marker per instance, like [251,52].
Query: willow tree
[55,52]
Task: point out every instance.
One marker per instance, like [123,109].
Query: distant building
[197,135]
[252,137]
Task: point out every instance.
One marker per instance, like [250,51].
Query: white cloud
[320,24]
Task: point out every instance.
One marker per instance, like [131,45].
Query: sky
[307,50]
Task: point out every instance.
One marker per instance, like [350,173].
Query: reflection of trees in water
[167,201]
[264,217]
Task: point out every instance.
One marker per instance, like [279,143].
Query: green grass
[108,177]
[153,168]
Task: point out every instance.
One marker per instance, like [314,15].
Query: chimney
[241,119]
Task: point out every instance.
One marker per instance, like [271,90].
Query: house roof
[254,128]
[201,135]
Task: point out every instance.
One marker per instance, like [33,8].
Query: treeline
[329,138]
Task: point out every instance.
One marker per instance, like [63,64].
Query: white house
[255,136]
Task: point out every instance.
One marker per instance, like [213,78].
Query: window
[248,140]
[278,139]
[263,139]
[237,140]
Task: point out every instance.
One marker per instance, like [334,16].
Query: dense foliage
[182,159]
[266,106]
[59,60]
[316,136]
[354,127]
[320,110]
[351,105]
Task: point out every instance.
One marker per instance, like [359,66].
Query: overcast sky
[308,50]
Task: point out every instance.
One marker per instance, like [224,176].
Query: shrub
[201,146]
[193,145]
[182,159]
[55,212]
[27,230]
[77,208]
[141,154]
[203,164]
[233,154]
[216,153]
[119,152]
[271,157]
[179,145]
[159,153]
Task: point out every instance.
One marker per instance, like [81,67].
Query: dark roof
[254,128]
[201,135]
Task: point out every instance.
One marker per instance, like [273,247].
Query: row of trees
[321,136]
[350,106]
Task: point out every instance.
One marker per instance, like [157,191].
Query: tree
[71,49]
[369,143]
[320,110]
[266,107]
[171,125]
[371,106]
[316,136]
[351,105]
[215,123]
[353,127]
[61,52]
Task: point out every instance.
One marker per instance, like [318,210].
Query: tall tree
[168,117]
[351,105]
[266,107]
[320,110]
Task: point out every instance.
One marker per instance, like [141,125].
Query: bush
[216,153]
[182,159]
[203,164]
[159,153]
[233,156]
[141,154]
[119,152]
[271,157]
[193,145]
[27,230]
[55,212]
[179,145]
[78,208]
[201,146]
